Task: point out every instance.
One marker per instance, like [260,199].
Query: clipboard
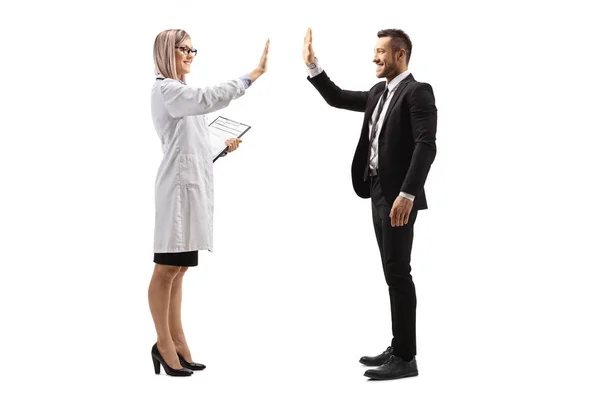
[222,129]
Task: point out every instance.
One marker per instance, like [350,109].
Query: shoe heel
[156,365]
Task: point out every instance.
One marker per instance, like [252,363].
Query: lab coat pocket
[195,212]
[190,171]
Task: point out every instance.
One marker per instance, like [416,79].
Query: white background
[505,260]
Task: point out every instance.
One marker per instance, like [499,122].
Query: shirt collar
[394,83]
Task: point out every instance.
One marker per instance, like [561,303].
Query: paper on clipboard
[222,129]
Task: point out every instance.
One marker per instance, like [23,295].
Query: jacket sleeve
[182,100]
[339,98]
[423,119]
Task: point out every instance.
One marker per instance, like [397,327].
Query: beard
[386,71]
[383,72]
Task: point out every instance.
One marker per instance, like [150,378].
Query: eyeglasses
[186,50]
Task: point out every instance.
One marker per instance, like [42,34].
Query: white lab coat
[184,182]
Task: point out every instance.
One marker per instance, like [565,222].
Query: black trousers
[395,246]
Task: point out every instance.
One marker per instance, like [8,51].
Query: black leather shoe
[158,360]
[190,365]
[377,360]
[394,368]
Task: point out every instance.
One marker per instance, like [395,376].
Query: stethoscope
[162,79]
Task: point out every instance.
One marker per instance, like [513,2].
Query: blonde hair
[164,52]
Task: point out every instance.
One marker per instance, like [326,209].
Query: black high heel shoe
[193,366]
[158,359]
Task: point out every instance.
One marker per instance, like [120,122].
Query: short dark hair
[400,40]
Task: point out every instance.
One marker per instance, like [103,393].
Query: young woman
[184,186]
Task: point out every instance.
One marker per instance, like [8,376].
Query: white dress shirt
[392,86]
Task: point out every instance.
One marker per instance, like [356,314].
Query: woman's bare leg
[175,325]
[159,295]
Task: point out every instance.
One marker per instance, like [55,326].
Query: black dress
[183,259]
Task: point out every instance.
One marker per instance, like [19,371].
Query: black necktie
[374,130]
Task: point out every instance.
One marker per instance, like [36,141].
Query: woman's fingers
[233,144]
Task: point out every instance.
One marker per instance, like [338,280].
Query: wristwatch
[313,64]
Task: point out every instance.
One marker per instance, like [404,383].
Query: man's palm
[309,54]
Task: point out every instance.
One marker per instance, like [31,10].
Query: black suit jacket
[406,140]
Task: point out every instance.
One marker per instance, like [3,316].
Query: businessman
[391,163]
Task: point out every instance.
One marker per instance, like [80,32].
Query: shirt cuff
[407,196]
[246,80]
[315,71]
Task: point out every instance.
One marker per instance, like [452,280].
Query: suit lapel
[397,93]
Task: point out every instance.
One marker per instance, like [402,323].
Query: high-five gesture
[308,52]
[262,64]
